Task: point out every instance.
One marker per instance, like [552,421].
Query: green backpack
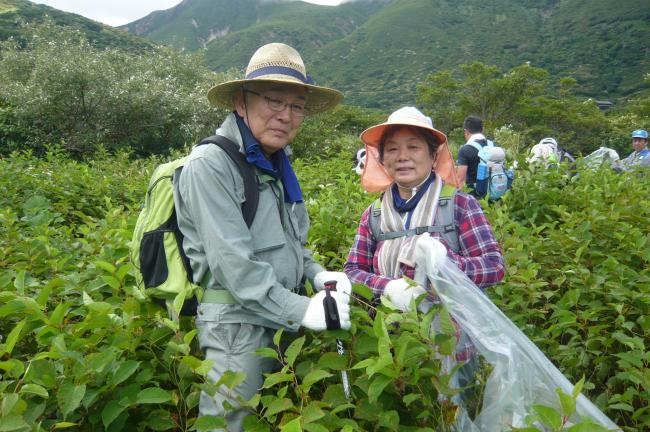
[446,224]
[162,268]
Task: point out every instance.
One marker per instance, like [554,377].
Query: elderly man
[253,277]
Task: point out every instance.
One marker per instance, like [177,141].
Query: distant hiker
[360,161]
[253,277]
[481,163]
[641,154]
[409,161]
[549,153]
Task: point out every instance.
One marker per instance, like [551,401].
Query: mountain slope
[377,51]
[14,13]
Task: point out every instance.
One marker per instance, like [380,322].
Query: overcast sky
[118,12]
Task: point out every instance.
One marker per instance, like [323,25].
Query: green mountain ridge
[14,13]
[378,51]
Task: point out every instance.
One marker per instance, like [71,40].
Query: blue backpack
[492,178]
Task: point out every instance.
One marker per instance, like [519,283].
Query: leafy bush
[62,89]
[578,273]
[82,348]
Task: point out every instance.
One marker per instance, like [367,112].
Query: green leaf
[277,336]
[13,337]
[377,386]
[292,426]
[276,378]
[64,425]
[189,337]
[410,398]
[69,397]
[34,389]
[548,416]
[110,412]
[107,267]
[446,324]
[567,403]
[312,412]
[315,427]
[292,351]
[13,422]
[58,314]
[365,363]
[154,395]
[207,423]
[278,406]
[111,281]
[124,371]
[19,282]
[587,427]
[231,379]
[577,389]
[267,352]
[313,377]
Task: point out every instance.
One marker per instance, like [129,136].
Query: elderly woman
[409,161]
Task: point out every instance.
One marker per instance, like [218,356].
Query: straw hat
[375,178]
[277,63]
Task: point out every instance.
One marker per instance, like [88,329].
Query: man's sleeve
[463,156]
[481,259]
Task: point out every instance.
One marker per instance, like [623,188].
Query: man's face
[270,111]
[639,143]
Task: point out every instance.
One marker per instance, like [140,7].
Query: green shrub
[62,89]
[82,348]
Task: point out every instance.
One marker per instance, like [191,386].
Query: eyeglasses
[278,105]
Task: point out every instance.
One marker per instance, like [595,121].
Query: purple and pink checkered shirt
[480,256]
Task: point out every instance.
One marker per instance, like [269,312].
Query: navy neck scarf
[406,205]
[278,166]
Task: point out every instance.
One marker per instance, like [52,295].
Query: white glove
[400,293]
[314,318]
[430,253]
[342,282]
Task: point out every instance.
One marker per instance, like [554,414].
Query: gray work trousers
[232,347]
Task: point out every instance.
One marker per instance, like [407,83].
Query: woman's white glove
[430,253]
[314,318]
[400,293]
[342,282]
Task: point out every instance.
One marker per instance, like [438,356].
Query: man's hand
[342,282]
[314,318]
[400,293]
[430,253]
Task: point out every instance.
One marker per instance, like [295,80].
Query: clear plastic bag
[521,374]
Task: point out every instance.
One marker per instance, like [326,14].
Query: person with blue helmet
[641,154]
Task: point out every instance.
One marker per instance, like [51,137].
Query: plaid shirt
[480,256]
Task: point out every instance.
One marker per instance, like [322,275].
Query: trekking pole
[333,322]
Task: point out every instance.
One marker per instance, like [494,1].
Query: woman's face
[406,158]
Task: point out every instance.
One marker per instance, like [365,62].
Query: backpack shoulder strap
[246,170]
[476,145]
[374,219]
[446,218]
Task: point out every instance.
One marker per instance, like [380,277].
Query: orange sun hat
[375,178]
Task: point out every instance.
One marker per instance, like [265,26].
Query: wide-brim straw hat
[375,178]
[277,63]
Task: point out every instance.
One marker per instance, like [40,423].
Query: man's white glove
[342,282]
[430,253]
[400,293]
[314,318]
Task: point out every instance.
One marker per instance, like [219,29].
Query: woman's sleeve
[480,255]
[359,267]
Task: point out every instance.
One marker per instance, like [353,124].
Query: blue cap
[640,133]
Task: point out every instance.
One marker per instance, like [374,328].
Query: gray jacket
[263,267]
